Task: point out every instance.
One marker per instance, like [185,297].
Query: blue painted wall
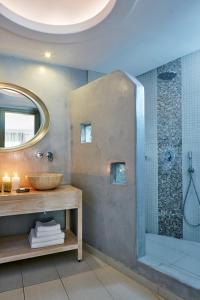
[92,75]
[53,85]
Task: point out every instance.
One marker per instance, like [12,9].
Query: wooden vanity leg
[79,230]
[67,220]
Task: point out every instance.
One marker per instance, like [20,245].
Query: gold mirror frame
[45,118]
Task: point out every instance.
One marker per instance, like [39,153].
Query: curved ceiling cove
[57,16]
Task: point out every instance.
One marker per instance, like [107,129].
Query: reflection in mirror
[24,118]
[19,119]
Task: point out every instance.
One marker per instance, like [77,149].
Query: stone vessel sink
[45,181]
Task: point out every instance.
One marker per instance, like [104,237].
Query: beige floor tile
[85,286]
[93,261]
[38,270]
[67,264]
[10,276]
[52,290]
[122,287]
[12,295]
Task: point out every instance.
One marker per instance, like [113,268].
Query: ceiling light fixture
[61,17]
[47,54]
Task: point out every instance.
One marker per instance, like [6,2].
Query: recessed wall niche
[86,133]
[118,173]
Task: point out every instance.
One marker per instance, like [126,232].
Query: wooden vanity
[66,197]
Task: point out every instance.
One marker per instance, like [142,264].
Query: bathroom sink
[45,181]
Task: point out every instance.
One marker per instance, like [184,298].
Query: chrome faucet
[39,155]
[48,155]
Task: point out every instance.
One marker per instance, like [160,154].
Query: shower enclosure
[172,169]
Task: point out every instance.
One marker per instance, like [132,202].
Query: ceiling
[57,16]
[133,35]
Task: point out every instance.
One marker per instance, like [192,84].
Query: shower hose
[191,183]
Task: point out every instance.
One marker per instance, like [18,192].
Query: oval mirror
[24,118]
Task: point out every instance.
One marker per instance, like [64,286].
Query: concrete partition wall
[114,104]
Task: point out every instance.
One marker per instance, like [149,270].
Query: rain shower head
[167,75]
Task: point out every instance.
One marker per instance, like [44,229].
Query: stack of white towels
[46,234]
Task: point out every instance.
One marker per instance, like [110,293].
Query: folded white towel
[34,239]
[47,233]
[45,244]
[47,226]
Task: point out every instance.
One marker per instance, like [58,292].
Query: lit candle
[15,182]
[6,178]
[7,185]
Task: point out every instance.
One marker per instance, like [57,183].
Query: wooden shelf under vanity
[17,247]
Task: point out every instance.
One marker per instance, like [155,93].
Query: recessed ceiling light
[47,54]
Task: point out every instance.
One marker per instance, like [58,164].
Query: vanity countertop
[64,197]
[36,193]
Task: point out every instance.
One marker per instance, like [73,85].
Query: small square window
[86,133]
[118,173]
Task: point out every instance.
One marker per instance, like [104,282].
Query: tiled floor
[61,277]
[178,258]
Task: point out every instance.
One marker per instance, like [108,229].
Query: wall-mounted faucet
[48,155]
[39,155]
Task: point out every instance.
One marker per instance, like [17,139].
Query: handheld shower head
[191,169]
[190,155]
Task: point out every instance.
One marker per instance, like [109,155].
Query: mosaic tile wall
[169,136]
[191,138]
[172,119]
